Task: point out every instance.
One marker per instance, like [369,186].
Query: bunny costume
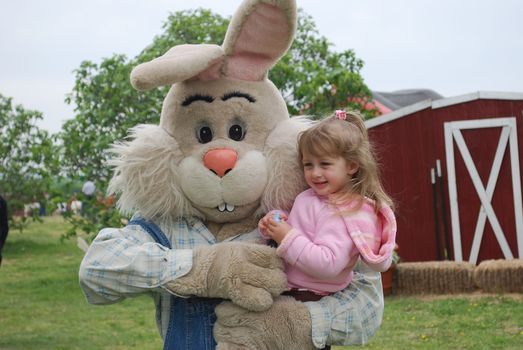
[223,154]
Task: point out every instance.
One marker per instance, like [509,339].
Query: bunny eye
[236,132]
[204,134]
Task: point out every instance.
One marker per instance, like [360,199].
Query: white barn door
[486,211]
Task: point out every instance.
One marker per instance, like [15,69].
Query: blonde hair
[348,139]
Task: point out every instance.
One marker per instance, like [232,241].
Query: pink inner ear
[211,73]
[263,39]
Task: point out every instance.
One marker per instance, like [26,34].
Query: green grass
[42,307]
[464,322]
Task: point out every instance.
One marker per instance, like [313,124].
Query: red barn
[453,167]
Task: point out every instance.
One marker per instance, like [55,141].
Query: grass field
[42,307]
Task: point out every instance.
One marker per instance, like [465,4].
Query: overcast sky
[451,46]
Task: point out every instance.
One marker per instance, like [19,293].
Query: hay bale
[500,276]
[434,277]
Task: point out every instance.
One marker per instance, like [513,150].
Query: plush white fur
[285,171]
[267,330]
[146,175]
[233,271]
[168,68]
[243,185]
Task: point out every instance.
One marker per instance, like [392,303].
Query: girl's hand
[277,230]
[264,222]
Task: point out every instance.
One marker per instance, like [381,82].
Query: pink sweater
[323,246]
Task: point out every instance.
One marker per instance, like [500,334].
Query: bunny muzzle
[224,184]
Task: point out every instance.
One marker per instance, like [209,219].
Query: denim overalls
[191,319]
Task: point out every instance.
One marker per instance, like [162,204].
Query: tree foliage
[313,78]
[27,157]
[98,211]
[106,105]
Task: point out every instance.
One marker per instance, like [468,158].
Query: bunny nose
[220,161]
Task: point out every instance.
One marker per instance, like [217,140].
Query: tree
[313,78]
[316,80]
[106,105]
[27,158]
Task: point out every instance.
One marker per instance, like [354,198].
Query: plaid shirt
[127,262]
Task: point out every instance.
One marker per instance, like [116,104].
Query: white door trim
[508,136]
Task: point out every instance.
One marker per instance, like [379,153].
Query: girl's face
[327,175]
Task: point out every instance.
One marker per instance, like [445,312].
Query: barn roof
[436,102]
[402,98]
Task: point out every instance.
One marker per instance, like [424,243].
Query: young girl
[344,215]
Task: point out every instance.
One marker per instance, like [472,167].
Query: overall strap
[190,319]
[159,237]
[153,229]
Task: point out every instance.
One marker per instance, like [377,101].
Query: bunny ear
[260,33]
[179,64]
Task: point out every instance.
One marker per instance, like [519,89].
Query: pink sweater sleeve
[325,253]
[374,235]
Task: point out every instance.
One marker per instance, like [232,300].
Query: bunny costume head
[225,149]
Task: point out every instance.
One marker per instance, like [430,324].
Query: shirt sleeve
[126,262]
[351,316]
